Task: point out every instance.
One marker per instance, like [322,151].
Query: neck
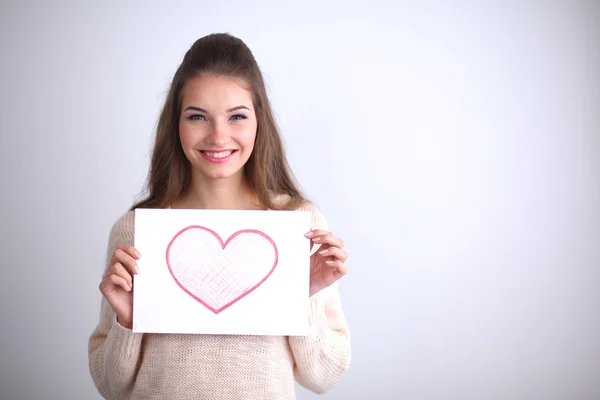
[233,193]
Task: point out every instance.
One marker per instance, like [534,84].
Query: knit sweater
[128,365]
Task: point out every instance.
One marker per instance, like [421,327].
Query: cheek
[185,135]
[247,136]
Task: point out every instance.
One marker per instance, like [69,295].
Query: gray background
[455,148]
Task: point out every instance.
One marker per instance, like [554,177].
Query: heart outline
[223,246]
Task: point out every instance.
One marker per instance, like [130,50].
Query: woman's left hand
[326,265]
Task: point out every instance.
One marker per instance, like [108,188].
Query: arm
[114,351]
[323,356]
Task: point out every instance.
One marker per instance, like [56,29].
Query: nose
[219,134]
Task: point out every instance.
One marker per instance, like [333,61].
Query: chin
[219,175]
[216,177]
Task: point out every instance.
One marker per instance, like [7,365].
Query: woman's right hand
[117,285]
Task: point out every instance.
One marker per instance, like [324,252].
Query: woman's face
[217,126]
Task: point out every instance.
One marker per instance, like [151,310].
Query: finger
[340,268]
[341,271]
[316,232]
[113,281]
[119,270]
[335,252]
[120,281]
[312,234]
[330,239]
[126,260]
[131,250]
[334,263]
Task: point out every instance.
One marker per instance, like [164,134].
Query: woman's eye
[238,117]
[197,117]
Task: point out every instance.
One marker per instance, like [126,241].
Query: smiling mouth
[220,154]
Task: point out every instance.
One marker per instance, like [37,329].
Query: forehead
[215,91]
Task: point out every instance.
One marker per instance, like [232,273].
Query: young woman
[218,147]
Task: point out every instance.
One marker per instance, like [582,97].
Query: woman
[218,147]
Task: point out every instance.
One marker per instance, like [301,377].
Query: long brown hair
[267,170]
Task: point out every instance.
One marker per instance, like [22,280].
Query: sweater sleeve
[114,352]
[323,356]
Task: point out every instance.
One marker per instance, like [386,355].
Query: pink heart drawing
[216,273]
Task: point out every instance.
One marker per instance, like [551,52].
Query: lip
[217,160]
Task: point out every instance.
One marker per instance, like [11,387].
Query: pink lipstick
[217,156]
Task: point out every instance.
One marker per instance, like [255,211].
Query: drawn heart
[216,273]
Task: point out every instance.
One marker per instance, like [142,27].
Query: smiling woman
[217,147]
[218,102]
[217,138]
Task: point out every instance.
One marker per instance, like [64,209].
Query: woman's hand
[117,286]
[326,265]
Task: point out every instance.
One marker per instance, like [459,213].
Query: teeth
[218,155]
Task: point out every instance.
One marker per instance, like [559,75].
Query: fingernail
[329,261]
[137,269]
[317,239]
[137,254]
[323,252]
[309,234]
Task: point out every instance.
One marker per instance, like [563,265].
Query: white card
[222,272]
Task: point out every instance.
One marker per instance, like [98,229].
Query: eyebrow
[204,111]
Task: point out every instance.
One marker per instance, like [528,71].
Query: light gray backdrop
[456,149]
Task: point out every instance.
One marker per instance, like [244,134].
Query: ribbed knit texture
[127,365]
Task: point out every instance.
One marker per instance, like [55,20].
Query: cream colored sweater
[127,365]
